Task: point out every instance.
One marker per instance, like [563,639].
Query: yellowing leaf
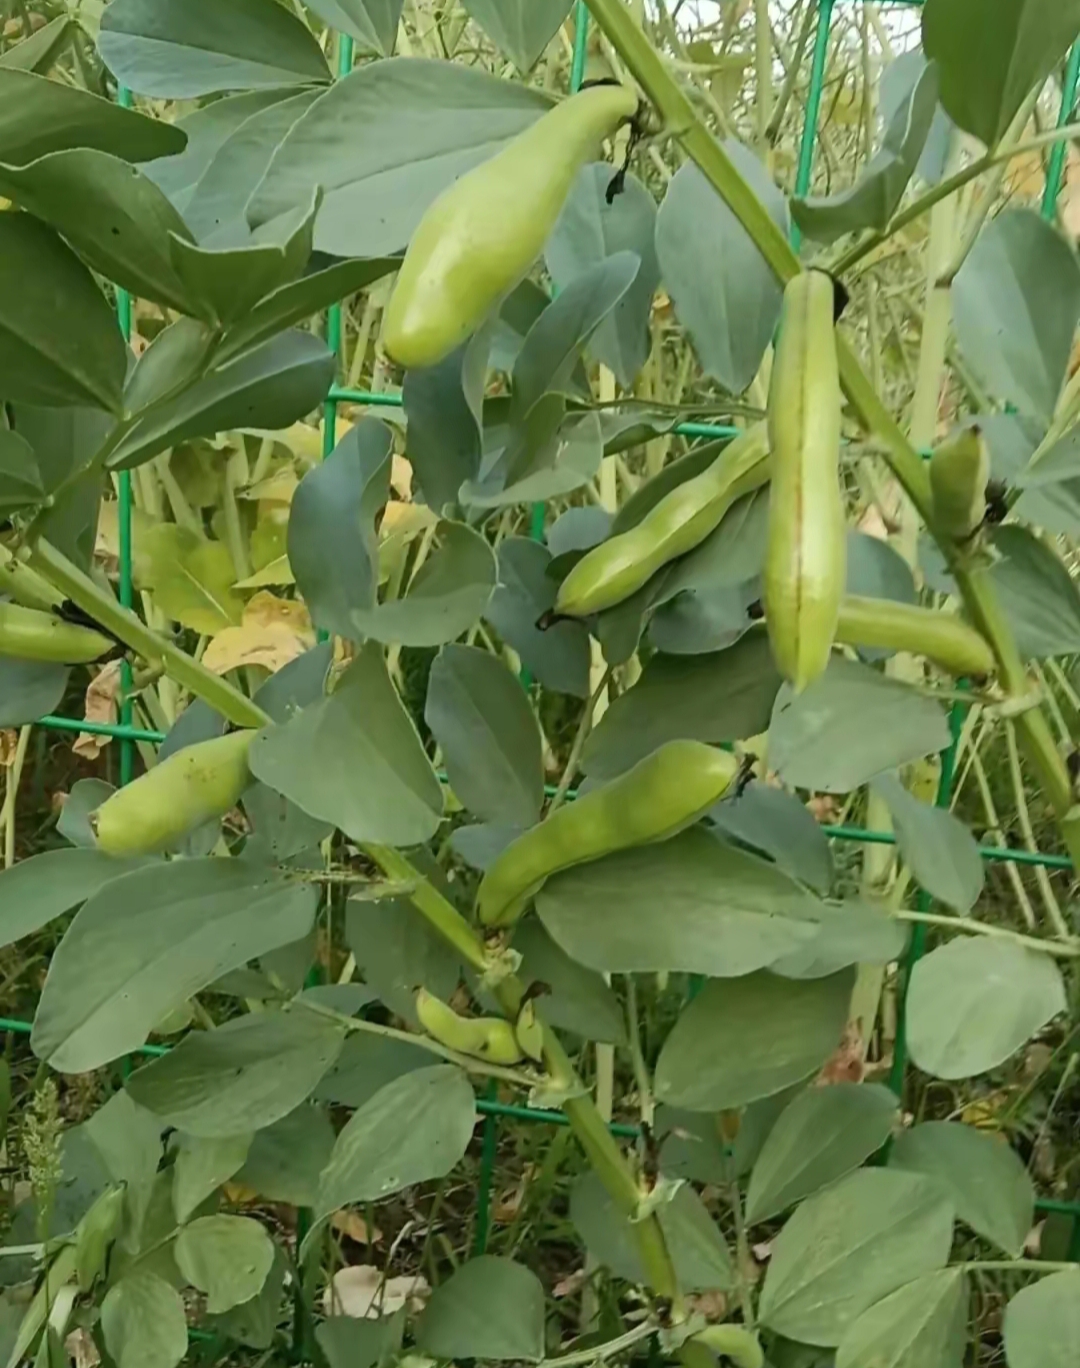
[278,488]
[277,572]
[273,632]
[102,705]
[191,578]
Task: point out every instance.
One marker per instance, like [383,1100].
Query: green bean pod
[941,637]
[617,568]
[482,235]
[29,634]
[959,473]
[806,549]
[660,796]
[490,1038]
[192,786]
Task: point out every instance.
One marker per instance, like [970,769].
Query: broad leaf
[38,116]
[724,292]
[116,218]
[445,597]
[521,29]
[488,734]
[372,24]
[921,1325]
[41,47]
[20,477]
[425,123]
[576,999]
[938,848]
[415,1128]
[876,195]
[207,130]
[191,577]
[898,79]
[143,1321]
[745,1038]
[29,689]
[1037,592]
[489,1308]
[241,1076]
[201,1166]
[443,411]
[850,725]
[992,55]
[848,1247]
[779,825]
[726,912]
[397,952]
[850,932]
[270,387]
[214,210]
[557,658]
[694,1240]
[146,943]
[333,544]
[59,342]
[127,1138]
[35,891]
[226,1257]
[985,1180]
[722,696]
[178,49]
[368,1063]
[1016,303]
[355,759]
[292,304]
[589,230]
[819,1137]
[285,1159]
[975,1001]
[1042,1323]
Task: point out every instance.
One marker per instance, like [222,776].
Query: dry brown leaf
[360,1292]
[712,1305]
[272,632]
[570,1285]
[352,1224]
[81,1349]
[401,478]
[848,1060]
[102,705]
[9,740]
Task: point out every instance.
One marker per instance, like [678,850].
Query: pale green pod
[659,797]
[617,568]
[959,473]
[805,559]
[490,1038]
[941,637]
[733,1342]
[482,235]
[192,786]
[29,634]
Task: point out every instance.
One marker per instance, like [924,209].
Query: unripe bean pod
[806,549]
[659,797]
[29,634]
[489,1038]
[941,637]
[617,568]
[192,786]
[959,473]
[482,235]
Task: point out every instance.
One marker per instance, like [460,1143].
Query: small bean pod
[490,1038]
[959,473]
[192,786]
[941,637]
[659,797]
[733,1342]
[29,634]
[806,548]
[617,568]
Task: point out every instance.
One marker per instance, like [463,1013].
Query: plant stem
[11,795]
[600,1352]
[469,1062]
[74,584]
[1060,949]
[580,737]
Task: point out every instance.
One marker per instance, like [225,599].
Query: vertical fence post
[127,745]
[813,107]
[1056,165]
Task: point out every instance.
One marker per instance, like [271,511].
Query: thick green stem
[123,624]
[650,71]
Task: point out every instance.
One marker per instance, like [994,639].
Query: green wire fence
[129,735]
